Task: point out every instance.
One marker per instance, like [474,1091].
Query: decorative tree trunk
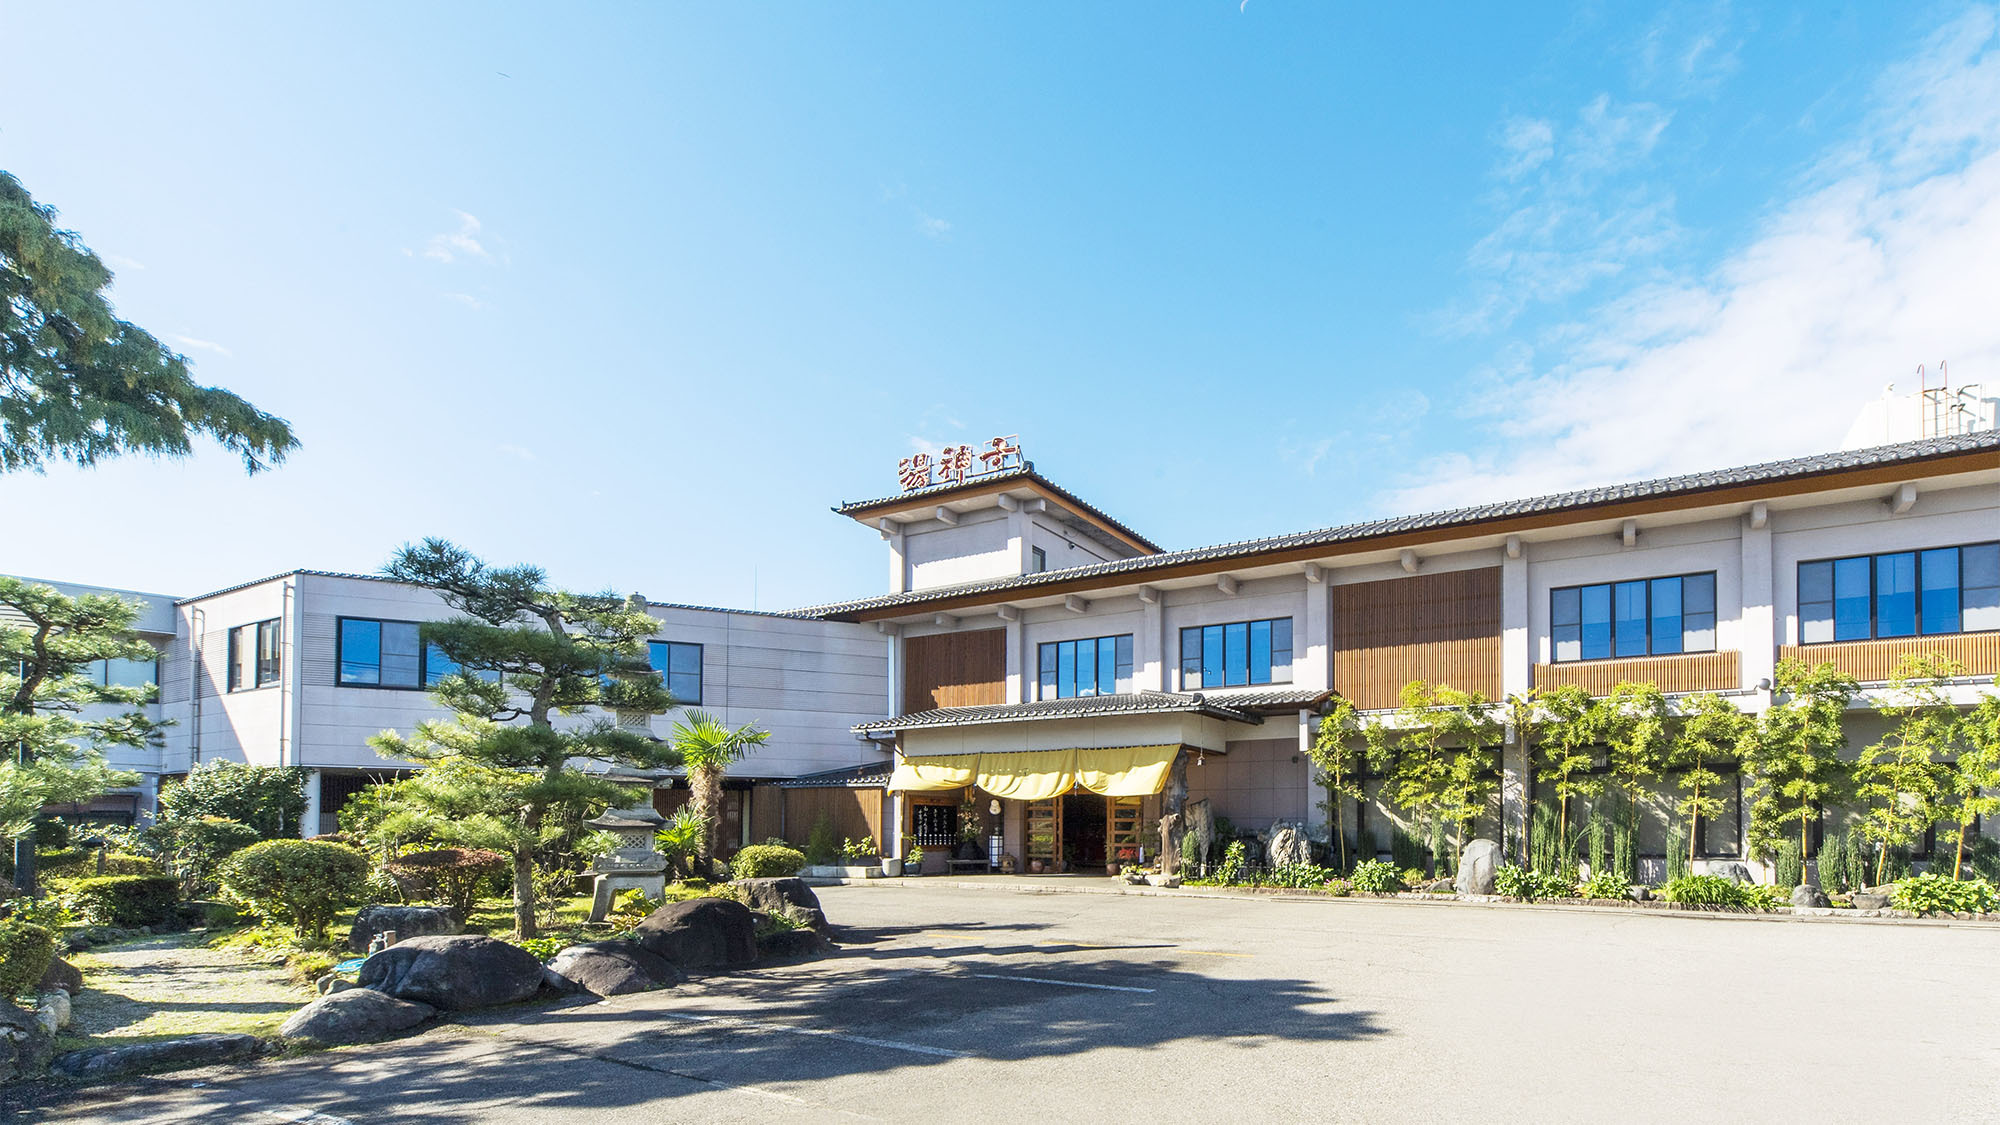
[1173,800]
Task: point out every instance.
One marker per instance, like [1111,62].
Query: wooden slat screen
[955,670]
[1444,628]
[855,813]
[1873,661]
[1694,671]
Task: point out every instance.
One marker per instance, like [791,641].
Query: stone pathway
[172,984]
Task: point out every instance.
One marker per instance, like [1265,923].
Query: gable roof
[996,482]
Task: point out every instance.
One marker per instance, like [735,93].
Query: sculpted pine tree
[1903,781]
[57,712]
[78,384]
[528,655]
[1711,731]
[1794,754]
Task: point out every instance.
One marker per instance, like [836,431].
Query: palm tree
[707,747]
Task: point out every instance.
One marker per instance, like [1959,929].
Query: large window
[1900,594]
[1098,666]
[254,655]
[390,654]
[680,664]
[124,673]
[1643,617]
[1247,652]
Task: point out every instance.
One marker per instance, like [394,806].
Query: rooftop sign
[955,464]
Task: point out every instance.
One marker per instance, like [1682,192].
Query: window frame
[1038,560]
[1202,660]
[1045,672]
[1874,587]
[260,675]
[1645,616]
[424,647]
[667,673]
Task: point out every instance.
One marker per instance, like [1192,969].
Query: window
[1097,666]
[1246,652]
[253,655]
[1645,617]
[680,664]
[124,673]
[1900,594]
[1038,560]
[390,654]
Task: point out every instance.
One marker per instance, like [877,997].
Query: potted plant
[916,862]
[891,866]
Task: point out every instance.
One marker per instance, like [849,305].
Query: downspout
[197,620]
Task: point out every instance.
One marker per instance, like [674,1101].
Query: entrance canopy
[1037,775]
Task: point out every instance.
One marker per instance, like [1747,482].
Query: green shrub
[299,883]
[82,864]
[822,846]
[1413,877]
[767,861]
[1595,839]
[270,799]
[1405,850]
[1528,885]
[1790,864]
[123,900]
[543,948]
[1299,876]
[453,876]
[25,952]
[1832,864]
[1610,885]
[855,851]
[1375,877]
[1677,853]
[1191,850]
[199,844]
[1713,892]
[1234,858]
[1624,852]
[1942,894]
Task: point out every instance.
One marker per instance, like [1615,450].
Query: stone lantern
[633,864]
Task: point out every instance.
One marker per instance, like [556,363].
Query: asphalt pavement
[954,1004]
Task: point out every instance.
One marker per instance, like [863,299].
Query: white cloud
[193,344]
[517,451]
[121,262]
[1889,256]
[1526,144]
[466,299]
[461,243]
[931,226]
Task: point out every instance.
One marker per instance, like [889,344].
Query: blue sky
[636,292]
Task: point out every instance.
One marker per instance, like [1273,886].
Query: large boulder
[25,1046]
[1476,865]
[614,968]
[701,933]
[1285,845]
[407,921]
[162,1054]
[786,945]
[455,974]
[1868,900]
[1734,872]
[789,897]
[53,1009]
[61,976]
[1809,896]
[356,1015]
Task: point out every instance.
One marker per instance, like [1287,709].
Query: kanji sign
[955,463]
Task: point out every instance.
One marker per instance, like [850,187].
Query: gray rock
[790,897]
[701,933]
[189,1050]
[1285,845]
[60,975]
[1809,896]
[407,921]
[1869,900]
[52,1009]
[357,1015]
[784,945]
[1734,872]
[1476,865]
[613,968]
[332,983]
[25,1046]
[455,974]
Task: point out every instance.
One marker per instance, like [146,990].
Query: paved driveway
[973,1005]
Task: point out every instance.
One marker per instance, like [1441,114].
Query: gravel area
[173,984]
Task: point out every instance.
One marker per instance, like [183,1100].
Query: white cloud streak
[192,344]
[463,243]
[1888,256]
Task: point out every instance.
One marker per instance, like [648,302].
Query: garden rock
[24,1046]
[455,974]
[1867,900]
[1476,865]
[1285,846]
[701,933]
[789,944]
[189,1050]
[1734,872]
[775,896]
[358,1015]
[60,975]
[52,1009]
[407,921]
[1809,896]
[332,983]
[613,968]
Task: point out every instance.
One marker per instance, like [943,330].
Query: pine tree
[76,383]
[552,653]
[51,748]
[1794,754]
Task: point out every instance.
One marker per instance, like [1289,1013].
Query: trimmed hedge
[25,952]
[300,883]
[123,900]
[767,861]
[454,875]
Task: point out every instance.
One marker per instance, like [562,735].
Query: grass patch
[172,985]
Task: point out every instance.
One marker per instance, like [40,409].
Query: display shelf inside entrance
[633,864]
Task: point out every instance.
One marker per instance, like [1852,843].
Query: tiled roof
[870,776]
[1691,485]
[1024,473]
[1137,703]
[400,582]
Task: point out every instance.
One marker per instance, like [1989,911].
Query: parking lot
[950,1003]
